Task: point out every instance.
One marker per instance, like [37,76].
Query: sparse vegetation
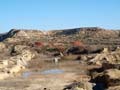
[75,51]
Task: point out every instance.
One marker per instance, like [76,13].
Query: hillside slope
[89,36]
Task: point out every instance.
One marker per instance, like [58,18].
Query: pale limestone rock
[16,68]
[83,57]
[77,88]
[118,49]
[3,63]
[98,63]
[114,88]
[105,50]
[27,55]
[113,73]
[21,62]
[112,57]
[12,40]
[2,46]
[3,75]
[15,64]
[19,48]
[86,86]
[22,34]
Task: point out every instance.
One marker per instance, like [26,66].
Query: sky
[59,14]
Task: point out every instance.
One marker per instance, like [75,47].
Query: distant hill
[89,32]
[88,35]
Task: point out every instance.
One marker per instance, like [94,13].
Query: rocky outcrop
[108,75]
[112,57]
[2,46]
[4,63]
[95,32]
[21,34]
[79,86]
[4,75]
[108,78]
[17,49]
[99,43]
[15,64]
[93,37]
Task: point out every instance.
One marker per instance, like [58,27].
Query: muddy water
[49,71]
[61,68]
[53,71]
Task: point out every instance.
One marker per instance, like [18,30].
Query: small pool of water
[52,71]
[49,71]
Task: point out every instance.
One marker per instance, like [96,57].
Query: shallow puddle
[50,71]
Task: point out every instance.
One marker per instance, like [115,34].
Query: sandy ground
[73,71]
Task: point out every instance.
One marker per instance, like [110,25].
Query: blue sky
[59,14]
